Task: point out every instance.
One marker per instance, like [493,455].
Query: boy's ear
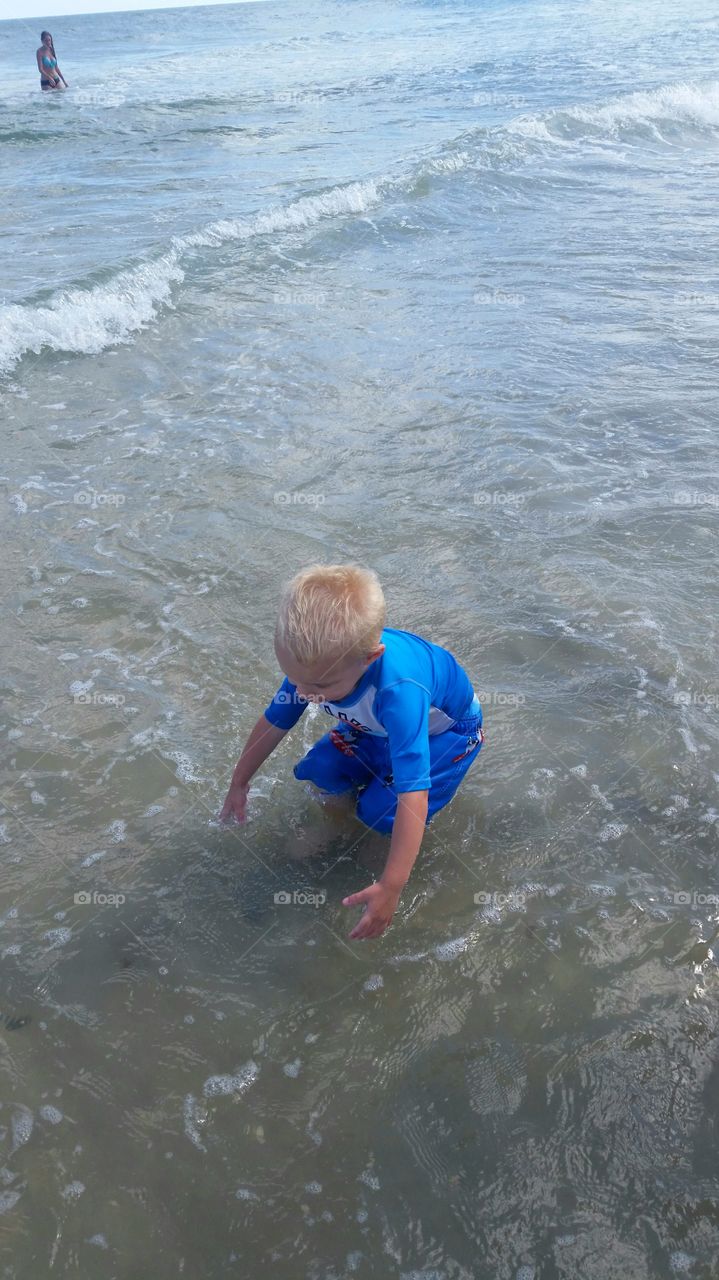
[376,653]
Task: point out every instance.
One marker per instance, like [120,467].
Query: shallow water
[431,288]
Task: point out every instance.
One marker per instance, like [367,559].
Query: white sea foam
[231,1085]
[612,831]
[193,1117]
[22,1125]
[673,105]
[93,857]
[51,1114]
[73,1191]
[374,982]
[450,950]
[89,320]
[58,937]
[185,767]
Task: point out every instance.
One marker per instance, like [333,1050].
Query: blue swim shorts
[346,759]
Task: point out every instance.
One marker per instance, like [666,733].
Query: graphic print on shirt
[473,741]
[360,715]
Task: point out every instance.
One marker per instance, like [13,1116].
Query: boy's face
[330,679]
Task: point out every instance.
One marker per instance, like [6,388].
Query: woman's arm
[59,72]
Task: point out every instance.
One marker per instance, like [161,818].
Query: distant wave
[660,111]
[89,320]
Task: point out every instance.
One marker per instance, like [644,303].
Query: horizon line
[98,13]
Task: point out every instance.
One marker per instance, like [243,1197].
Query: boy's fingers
[357,899]
[229,812]
[367,930]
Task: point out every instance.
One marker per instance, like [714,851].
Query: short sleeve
[286,707]
[403,711]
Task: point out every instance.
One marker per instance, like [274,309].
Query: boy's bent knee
[377,811]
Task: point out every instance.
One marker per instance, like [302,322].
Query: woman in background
[50,73]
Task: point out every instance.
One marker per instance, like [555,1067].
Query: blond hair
[330,610]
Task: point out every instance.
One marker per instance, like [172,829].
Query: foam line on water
[90,320]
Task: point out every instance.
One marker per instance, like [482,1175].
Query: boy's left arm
[380,899]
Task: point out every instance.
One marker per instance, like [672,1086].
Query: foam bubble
[185,767]
[227,1085]
[193,1116]
[93,857]
[58,937]
[80,686]
[374,982]
[72,1191]
[51,1114]
[450,950]
[612,831]
[8,1199]
[22,1125]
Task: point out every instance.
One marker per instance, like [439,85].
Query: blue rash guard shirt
[414,690]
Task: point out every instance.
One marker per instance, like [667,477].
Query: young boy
[408,722]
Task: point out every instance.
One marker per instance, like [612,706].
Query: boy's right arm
[260,744]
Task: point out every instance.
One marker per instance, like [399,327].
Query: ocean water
[431,286]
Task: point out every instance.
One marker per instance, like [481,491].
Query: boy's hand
[235,805]
[380,904]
